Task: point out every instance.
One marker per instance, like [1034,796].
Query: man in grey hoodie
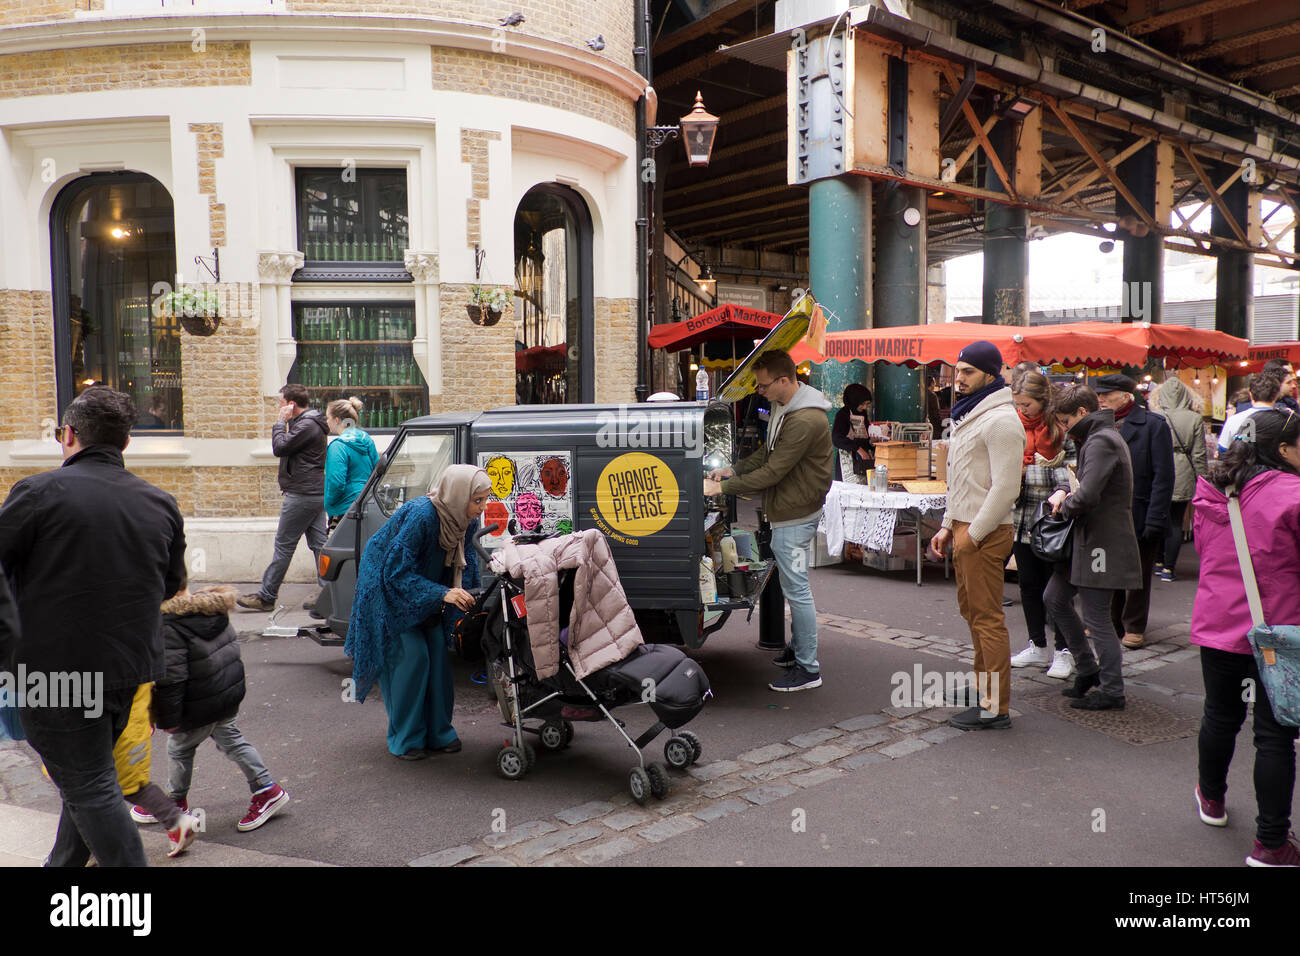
[298,439]
[794,469]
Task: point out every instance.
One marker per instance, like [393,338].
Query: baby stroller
[672,685]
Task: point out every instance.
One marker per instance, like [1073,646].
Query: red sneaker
[1288,854]
[141,815]
[266,803]
[184,833]
[1211,811]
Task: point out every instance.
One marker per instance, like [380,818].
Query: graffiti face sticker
[528,510]
[496,513]
[555,477]
[502,472]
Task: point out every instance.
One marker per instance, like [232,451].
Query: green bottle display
[356,350]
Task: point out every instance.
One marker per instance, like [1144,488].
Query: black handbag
[1051,536]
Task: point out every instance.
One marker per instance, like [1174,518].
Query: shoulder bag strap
[1243,558]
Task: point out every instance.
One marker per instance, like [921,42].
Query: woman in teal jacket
[350,459]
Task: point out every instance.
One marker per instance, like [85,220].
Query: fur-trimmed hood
[219,599]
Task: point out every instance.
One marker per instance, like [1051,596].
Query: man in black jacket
[91,551]
[299,440]
[1151,449]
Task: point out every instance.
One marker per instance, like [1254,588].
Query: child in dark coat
[200,694]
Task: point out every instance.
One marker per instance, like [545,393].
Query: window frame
[332,270]
[61,277]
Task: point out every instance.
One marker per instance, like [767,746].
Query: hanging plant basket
[482,315]
[201,325]
[196,310]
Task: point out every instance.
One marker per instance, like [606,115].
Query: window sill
[141,451]
[353,272]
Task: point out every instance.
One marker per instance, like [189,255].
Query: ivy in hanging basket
[486,306]
[197,310]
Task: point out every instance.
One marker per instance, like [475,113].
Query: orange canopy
[915,345]
[1195,348]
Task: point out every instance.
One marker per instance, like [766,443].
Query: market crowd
[1087,539]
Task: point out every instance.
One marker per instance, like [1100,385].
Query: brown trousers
[980,573]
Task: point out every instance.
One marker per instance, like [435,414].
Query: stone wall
[26,362]
[134,66]
[14,12]
[478,364]
[565,21]
[499,74]
[615,356]
[203,492]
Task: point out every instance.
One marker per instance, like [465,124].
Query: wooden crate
[899,457]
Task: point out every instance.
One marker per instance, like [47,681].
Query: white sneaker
[1032,656]
[1062,665]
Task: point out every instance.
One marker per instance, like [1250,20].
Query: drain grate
[1139,723]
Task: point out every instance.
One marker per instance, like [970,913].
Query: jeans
[1225,675]
[180,756]
[792,550]
[78,754]
[1174,539]
[1096,604]
[299,515]
[1033,574]
[979,570]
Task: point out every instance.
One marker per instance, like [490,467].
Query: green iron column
[1006,252]
[1234,306]
[899,288]
[839,239]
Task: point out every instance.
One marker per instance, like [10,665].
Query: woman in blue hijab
[413,579]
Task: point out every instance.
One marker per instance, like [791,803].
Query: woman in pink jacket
[1265,465]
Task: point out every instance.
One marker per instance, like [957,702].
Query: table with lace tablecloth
[869,518]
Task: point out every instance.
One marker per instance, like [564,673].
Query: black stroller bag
[670,682]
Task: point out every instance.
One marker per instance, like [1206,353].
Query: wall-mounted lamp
[707,283]
[1019,107]
[698,129]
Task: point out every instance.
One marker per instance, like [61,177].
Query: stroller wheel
[531,756]
[679,753]
[554,735]
[568,732]
[511,763]
[694,741]
[638,784]
[658,775]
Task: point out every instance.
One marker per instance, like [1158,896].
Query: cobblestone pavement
[601,830]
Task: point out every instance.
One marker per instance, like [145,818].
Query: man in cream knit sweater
[984,455]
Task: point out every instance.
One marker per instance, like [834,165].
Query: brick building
[342,161]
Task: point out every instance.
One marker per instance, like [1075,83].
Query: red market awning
[541,358]
[725,322]
[1193,348]
[916,345]
[1259,354]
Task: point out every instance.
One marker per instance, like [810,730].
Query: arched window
[554,309]
[112,238]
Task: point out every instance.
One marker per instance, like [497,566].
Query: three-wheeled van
[635,472]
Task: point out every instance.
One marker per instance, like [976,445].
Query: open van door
[414,462]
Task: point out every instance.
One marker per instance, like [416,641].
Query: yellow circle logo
[637,494]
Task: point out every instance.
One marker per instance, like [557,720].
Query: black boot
[1082,684]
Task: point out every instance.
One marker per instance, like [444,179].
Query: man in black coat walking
[91,551]
[1151,449]
[299,439]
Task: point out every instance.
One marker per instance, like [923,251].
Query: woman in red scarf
[1043,472]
